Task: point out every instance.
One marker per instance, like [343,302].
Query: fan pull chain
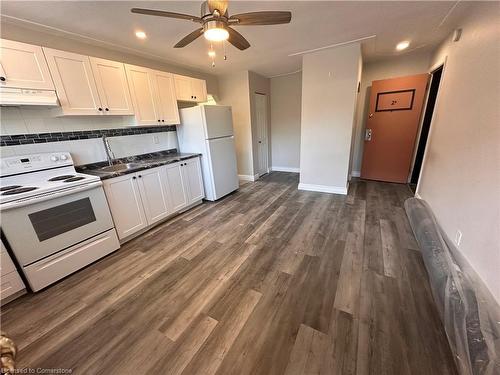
[224,47]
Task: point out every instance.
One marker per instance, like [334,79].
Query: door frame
[258,174]
[442,63]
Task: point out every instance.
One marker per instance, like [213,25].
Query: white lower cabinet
[154,193]
[177,186]
[141,199]
[125,202]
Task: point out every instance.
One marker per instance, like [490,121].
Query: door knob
[370,115]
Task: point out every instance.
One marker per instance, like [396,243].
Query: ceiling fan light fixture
[215,31]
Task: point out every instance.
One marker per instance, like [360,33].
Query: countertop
[144,161]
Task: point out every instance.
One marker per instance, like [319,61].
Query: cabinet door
[126,205]
[154,194]
[191,171]
[165,94]
[23,66]
[199,90]
[74,82]
[141,86]
[112,86]
[183,89]
[177,187]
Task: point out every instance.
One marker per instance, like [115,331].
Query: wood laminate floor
[269,280]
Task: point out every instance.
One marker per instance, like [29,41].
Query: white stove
[55,220]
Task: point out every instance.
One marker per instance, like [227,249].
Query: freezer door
[223,167]
[218,121]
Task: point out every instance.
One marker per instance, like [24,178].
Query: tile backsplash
[34,130]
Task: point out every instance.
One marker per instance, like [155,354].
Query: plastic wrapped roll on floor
[469,312]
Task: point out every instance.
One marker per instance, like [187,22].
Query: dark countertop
[145,161]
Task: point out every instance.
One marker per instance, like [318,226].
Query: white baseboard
[285,169]
[355,173]
[324,188]
[248,177]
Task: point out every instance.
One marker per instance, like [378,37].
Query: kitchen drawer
[6,264]
[10,283]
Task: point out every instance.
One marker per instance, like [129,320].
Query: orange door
[391,127]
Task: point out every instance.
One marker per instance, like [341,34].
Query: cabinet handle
[162,120]
[100,109]
[2,79]
[140,176]
[107,109]
[159,120]
[133,178]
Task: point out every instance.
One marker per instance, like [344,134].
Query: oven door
[43,225]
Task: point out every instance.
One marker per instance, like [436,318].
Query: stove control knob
[64,157]
[54,158]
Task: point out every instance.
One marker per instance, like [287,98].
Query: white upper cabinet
[112,86]
[23,66]
[167,102]
[74,82]
[143,95]
[189,89]
[199,89]
[153,95]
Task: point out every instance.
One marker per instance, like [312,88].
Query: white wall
[461,172]
[329,92]
[286,99]
[234,91]
[406,64]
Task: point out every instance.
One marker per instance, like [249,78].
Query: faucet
[108,150]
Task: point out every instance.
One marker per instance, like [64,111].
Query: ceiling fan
[215,22]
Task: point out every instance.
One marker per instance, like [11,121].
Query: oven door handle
[46,196]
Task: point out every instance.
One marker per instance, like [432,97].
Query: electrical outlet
[156,139]
[458,237]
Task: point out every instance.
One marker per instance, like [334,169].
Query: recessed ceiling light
[402,45]
[140,34]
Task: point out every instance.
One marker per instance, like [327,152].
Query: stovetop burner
[63,177]
[19,190]
[10,187]
[76,178]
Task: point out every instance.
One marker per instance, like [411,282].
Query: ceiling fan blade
[161,13]
[237,40]
[261,18]
[220,5]
[189,38]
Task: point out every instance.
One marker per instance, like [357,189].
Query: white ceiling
[314,25]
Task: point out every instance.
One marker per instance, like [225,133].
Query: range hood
[27,97]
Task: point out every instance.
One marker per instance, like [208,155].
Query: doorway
[261,132]
[426,125]
[391,127]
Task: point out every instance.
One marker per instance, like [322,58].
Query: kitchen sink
[121,167]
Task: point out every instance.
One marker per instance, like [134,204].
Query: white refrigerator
[208,130]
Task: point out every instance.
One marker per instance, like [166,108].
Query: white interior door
[261,127]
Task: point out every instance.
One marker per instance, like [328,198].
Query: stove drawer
[57,266]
